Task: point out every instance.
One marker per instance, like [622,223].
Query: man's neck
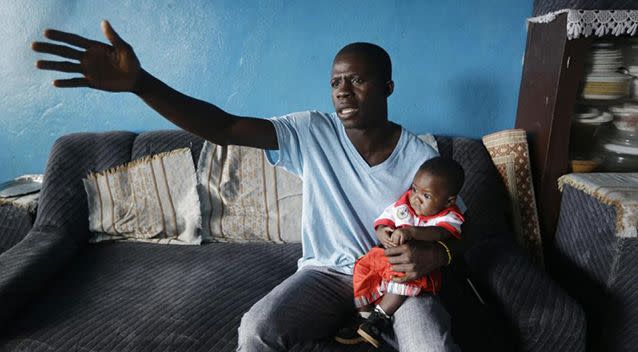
[375,144]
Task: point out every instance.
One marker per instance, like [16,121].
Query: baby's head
[436,185]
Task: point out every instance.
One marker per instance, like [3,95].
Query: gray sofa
[59,293]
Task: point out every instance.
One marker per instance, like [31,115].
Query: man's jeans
[314,302]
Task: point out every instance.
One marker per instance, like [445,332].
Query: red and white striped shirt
[400,214]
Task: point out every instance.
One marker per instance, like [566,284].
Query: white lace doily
[583,23]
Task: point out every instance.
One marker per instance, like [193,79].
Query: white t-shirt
[342,194]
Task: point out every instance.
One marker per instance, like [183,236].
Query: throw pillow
[153,199]
[245,199]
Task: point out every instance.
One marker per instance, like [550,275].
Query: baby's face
[429,194]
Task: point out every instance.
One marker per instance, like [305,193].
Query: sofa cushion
[153,199]
[194,301]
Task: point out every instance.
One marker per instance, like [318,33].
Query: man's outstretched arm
[115,68]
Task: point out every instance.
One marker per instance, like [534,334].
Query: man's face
[359,94]
[428,194]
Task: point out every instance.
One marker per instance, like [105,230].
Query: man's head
[361,83]
[436,186]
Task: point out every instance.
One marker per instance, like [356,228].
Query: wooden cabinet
[554,67]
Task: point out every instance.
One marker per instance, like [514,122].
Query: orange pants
[372,278]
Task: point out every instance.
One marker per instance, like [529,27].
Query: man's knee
[258,332]
[423,324]
[252,331]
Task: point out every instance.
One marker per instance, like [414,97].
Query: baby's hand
[383,234]
[400,236]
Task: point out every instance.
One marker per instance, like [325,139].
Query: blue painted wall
[457,64]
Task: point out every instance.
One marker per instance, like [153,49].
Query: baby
[426,212]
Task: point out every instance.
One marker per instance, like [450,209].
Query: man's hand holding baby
[401,236]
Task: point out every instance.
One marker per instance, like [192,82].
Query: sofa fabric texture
[59,293]
[599,269]
[15,223]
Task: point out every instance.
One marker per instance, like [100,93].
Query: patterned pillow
[153,199]
[510,155]
[245,199]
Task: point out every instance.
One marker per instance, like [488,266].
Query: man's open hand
[112,67]
[416,259]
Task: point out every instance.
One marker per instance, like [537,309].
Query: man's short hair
[375,55]
[448,169]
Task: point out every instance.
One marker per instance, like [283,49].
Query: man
[352,163]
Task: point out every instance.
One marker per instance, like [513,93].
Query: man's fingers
[111,34]
[388,244]
[70,38]
[407,277]
[402,268]
[397,259]
[71,83]
[399,279]
[390,252]
[396,251]
[62,66]
[54,49]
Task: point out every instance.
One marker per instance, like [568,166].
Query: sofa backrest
[155,142]
[483,192]
[75,155]
[62,204]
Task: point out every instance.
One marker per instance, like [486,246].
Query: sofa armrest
[545,318]
[61,224]
[62,200]
[15,223]
[27,267]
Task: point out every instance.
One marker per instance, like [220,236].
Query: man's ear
[389,88]
[451,200]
